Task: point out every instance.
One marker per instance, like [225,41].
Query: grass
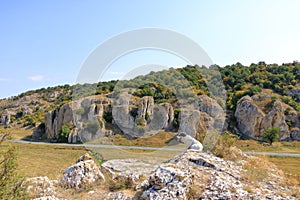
[158,140]
[153,157]
[44,160]
[281,147]
[289,165]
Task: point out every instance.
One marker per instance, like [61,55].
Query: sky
[45,43]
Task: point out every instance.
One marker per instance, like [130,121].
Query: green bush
[64,133]
[271,135]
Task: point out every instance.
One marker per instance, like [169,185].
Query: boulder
[84,173]
[295,134]
[41,187]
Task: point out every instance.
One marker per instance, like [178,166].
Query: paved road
[101,146]
[274,154]
[146,148]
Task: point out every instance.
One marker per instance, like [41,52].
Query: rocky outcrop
[5,117]
[252,121]
[84,173]
[83,117]
[41,188]
[149,117]
[198,175]
[205,115]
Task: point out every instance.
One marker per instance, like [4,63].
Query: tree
[271,134]
[64,133]
[10,182]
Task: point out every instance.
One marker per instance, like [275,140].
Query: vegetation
[10,182]
[64,133]
[271,134]
[225,147]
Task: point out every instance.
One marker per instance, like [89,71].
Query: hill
[273,90]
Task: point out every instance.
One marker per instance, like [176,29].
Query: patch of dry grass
[290,166]
[158,140]
[256,168]
[281,147]
[153,157]
[44,160]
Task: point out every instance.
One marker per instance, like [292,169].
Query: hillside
[273,101]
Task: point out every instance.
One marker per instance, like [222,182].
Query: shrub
[271,135]
[64,133]
[225,147]
[10,182]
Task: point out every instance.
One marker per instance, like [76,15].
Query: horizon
[44,44]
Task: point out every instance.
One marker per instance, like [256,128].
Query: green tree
[271,134]
[64,133]
[10,182]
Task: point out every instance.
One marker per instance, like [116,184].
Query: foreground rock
[41,188]
[84,173]
[198,175]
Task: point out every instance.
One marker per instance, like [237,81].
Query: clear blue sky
[44,43]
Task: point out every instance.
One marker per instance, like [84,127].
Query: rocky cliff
[205,115]
[253,121]
[86,118]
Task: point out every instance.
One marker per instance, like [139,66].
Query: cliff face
[146,119]
[84,119]
[205,115]
[87,118]
[252,121]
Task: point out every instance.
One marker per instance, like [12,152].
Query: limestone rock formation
[149,118]
[198,175]
[83,117]
[41,187]
[5,117]
[205,115]
[252,121]
[84,173]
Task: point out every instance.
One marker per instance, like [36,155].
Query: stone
[41,187]
[84,173]
[295,134]
[191,142]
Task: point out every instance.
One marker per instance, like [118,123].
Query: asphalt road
[274,154]
[100,146]
[146,148]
